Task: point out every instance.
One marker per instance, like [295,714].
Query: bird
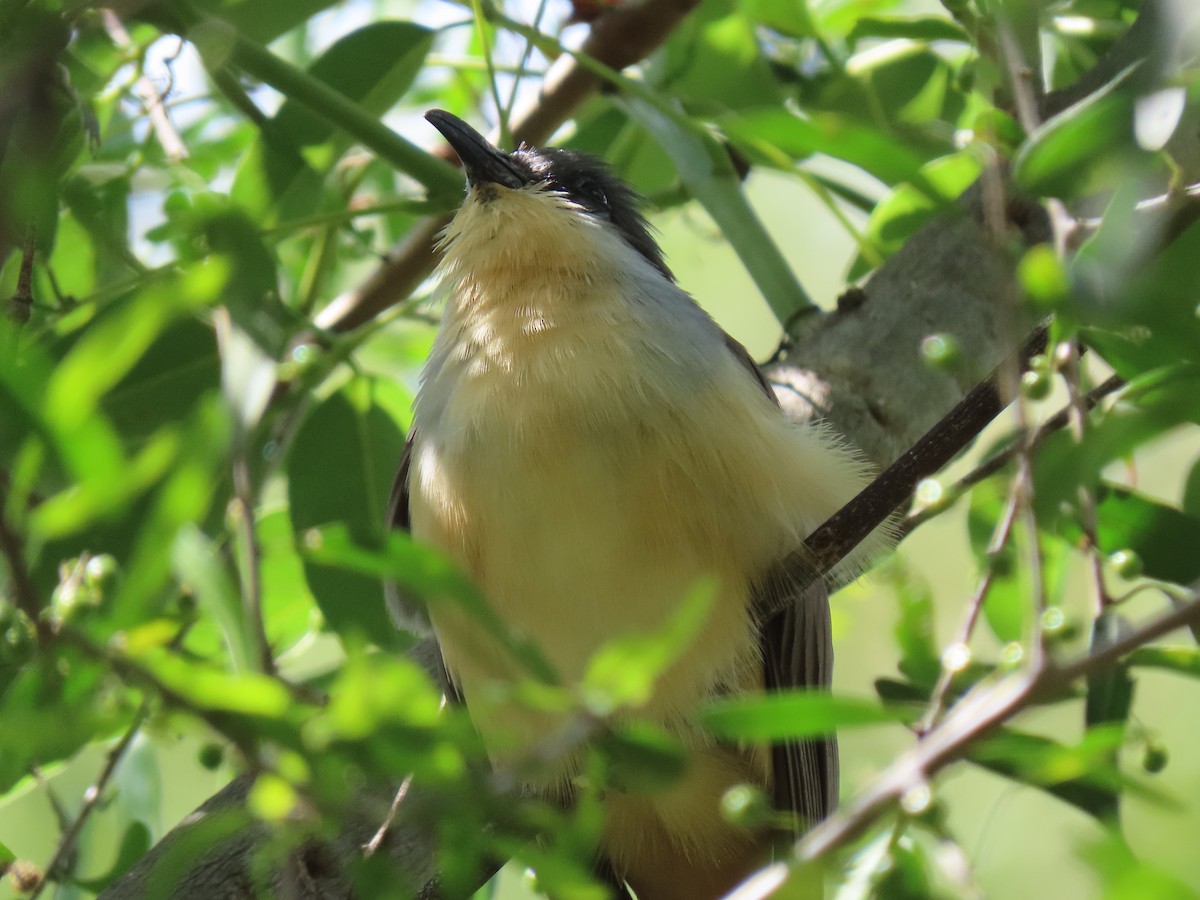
[589,446]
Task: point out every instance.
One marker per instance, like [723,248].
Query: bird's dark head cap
[585,180]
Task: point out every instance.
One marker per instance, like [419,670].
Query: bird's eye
[592,196]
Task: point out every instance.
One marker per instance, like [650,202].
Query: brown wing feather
[397,508]
[797,652]
[407,610]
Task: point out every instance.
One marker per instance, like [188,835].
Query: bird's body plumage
[591,448]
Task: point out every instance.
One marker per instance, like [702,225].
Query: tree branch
[91,799]
[999,460]
[24,592]
[972,718]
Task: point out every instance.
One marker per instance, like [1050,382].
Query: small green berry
[1155,758]
[1126,563]
[746,806]
[211,756]
[941,351]
[1036,384]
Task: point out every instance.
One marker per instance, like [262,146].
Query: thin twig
[1061,225]
[24,592]
[972,718]
[999,460]
[376,840]
[134,673]
[848,527]
[152,100]
[999,540]
[1023,482]
[251,568]
[1077,409]
[91,799]
[486,46]
[519,70]
[20,304]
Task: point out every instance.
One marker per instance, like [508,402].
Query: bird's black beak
[483,163]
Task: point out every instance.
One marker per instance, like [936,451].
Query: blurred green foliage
[193,476]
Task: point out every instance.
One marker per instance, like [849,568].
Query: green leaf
[1124,876]
[785,16]
[285,171]
[1086,146]
[201,569]
[894,690]
[371,690]
[51,709]
[117,340]
[706,170]
[164,385]
[907,85]
[875,152]
[252,292]
[906,872]
[1082,775]
[837,18]
[91,503]
[1191,491]
[713,61]
[134,844]
[207,687]
[899,215]
[1164,538]
[397,557]
[340,469]
[1140,315]
[289,608]
[1164,400]
[430,574]
[219,45]
[623,672]
[1182,660]
[914,631]
[606,130]
[1109,691]
[196,479]
[265,20]
[915,28]
[642,757]
[99,202]
[85,454]
[789,715]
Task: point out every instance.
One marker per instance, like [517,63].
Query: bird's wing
[797,652]
[406,609]
[796,648]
